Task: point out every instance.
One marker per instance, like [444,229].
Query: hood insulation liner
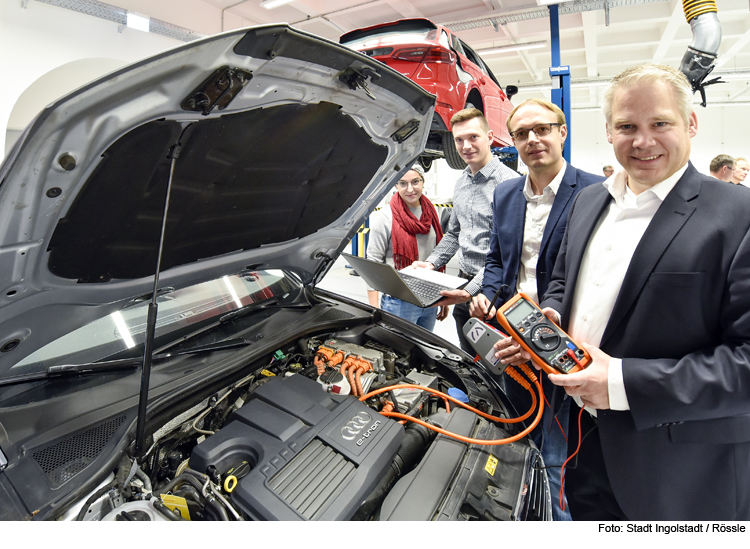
[241,181]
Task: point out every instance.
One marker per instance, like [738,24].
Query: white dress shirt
[538,208]
[605,262]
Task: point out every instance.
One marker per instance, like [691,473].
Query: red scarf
[406,226]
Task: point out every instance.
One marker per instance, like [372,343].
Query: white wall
[42,38]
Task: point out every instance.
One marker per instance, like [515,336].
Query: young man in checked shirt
[470,225]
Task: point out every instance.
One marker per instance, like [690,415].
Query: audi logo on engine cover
[355,425]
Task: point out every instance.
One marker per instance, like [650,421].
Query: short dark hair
[468,114]
[720,161]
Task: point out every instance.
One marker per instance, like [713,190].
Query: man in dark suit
[529,217]
[653,278]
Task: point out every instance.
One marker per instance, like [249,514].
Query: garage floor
[338,280]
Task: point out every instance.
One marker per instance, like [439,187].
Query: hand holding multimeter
[549,346]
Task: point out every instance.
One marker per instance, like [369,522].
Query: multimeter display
[551,347]
[520,312]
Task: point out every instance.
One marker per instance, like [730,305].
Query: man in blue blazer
[529,218]
[653,279]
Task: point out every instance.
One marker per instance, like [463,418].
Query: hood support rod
[140,431]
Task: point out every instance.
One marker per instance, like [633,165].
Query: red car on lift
[440,62]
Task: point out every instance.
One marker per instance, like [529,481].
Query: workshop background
[50,47]
[47,48]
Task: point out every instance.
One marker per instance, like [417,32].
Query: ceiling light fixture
[271,4]
[138,22]
[729,104]
[108,12]
[513,47]
[548,2]
[588,84]
[733,75]
[534,89]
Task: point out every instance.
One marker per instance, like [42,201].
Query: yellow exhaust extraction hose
[694,8]
[704,22]
[699,58]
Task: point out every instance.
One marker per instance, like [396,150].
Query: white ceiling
[595,46]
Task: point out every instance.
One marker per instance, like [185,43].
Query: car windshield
[180,312]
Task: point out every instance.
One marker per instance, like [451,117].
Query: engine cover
[313,455]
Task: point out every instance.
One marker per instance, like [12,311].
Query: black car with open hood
[164,351]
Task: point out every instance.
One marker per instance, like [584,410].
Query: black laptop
[421,287]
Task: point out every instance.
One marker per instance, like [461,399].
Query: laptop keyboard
[428,292]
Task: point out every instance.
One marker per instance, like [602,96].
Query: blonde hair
[651,73]
[542,103]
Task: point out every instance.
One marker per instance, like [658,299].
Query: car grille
[332,315]
[65,459]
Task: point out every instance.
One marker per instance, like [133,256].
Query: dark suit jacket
[681,324]
[509,215]
[504,258]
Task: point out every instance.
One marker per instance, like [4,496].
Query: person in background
[741,169]
[470,224]
[405,231]
[722,167]
[608,170]
[529,218]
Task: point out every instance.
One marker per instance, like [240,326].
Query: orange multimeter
[549,345]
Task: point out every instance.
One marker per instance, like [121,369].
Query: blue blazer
[509,215]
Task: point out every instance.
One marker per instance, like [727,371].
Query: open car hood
[278,144]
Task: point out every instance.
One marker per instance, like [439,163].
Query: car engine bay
[166,354]
[308,438]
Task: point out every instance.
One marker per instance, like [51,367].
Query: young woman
[406,230]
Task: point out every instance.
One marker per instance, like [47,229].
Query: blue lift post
[560,75]
[360,240]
